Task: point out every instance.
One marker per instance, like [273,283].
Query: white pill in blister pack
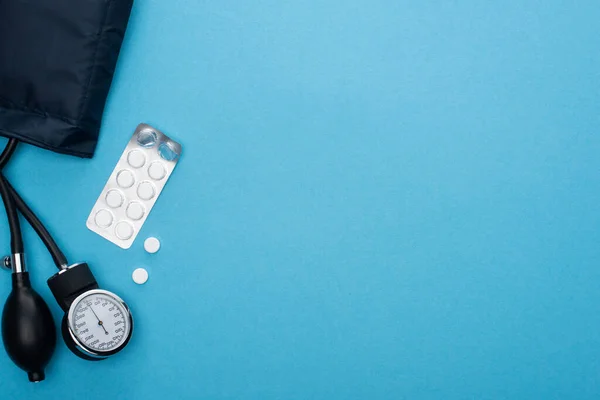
[134,186]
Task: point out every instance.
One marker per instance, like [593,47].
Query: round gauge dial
[100,322]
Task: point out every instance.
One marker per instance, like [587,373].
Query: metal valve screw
[7,263]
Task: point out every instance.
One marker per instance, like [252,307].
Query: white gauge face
[100,321]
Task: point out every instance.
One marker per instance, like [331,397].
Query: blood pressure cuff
[57,59]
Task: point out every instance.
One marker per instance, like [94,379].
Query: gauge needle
[99,322]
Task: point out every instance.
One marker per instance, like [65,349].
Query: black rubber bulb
[28,329]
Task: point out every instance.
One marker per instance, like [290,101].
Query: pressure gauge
[97,323]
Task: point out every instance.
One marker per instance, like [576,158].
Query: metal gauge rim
[82,346]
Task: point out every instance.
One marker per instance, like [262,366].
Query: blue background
[378,200]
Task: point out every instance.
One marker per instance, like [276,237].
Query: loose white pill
[152,245]
[140,276]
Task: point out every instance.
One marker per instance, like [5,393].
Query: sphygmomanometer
[57,60]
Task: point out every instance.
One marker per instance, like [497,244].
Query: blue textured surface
[378,200]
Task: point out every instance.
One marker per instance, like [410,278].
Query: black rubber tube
[60,260]
[16,238]
[8,152]
[57,255]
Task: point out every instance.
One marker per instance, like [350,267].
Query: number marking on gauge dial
[100,322]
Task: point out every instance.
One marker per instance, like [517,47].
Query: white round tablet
[146,191]
[136,158]
[124,230]
[157,171]
[152,245]
[103,218]
[125,178]
[140,276]
[135,210]
[114,198]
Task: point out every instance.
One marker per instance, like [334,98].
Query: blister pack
[134,186]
